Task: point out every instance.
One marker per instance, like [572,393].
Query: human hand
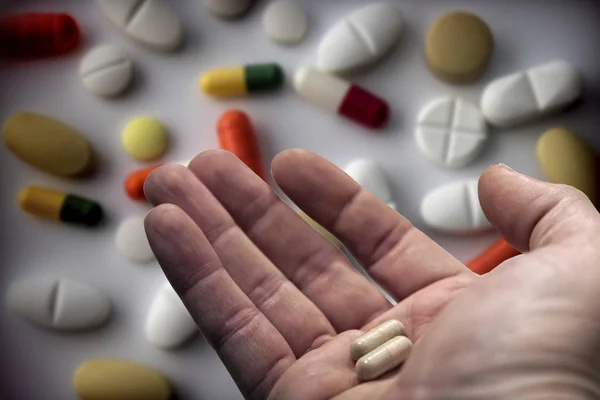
[281,305]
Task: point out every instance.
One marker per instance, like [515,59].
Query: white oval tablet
[169,324]
[450,131]
[151,22]
[372,178]
[227,8]
[454,208]
[361,38]
[285,22]
[131,241]
[61,304]
[524,96]
[106,71]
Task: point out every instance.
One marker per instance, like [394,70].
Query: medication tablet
[131,241]
[150,22]
[454,208]
[384,358]
[236,135]
[372,178]
[565,159]
[361,38]
[134,183]
[48,145]
[450,131]
[114,379]
[374,338]
[285,22]
[341,97]
[239,81]
[106,71]
[57,206]
[227,8]
[144,139]
[458,47]
[58,303]
[491,257]
[37,35]
[169,324]
[524,96]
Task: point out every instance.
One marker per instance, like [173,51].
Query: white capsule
[323,90]
[384,358]
[169,324]
[450,132]
[61,304]
[372,178]
[527,95]
[454,208]
[374,338]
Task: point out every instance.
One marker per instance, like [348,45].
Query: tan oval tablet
[103,379]
[458,47]
[565,159]
[47,144]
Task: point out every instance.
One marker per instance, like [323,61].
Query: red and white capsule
[341,97]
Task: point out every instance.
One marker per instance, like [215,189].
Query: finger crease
[272,202]
[388,240]
[280,363]
[237,325]
[266,288]
[304,270]
[319,341]
[347,205]
[198,275]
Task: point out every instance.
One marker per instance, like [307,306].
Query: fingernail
[506,167]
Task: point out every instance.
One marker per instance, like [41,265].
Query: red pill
[237,136]
[339,96]
[493,256]
[134,183]
[37,35]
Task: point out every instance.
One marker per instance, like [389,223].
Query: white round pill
[450,131]
[106,71]
[285,22]
[371,177]
[227,8]
[131,241]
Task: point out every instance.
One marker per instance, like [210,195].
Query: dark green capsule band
[77,210]
[263,77]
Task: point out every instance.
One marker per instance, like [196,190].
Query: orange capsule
[37,35]
[237,136]
[493,256]
[134,183]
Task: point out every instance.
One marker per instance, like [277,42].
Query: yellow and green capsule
[239,81]
[50,204]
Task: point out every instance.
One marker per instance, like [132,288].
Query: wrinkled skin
[281,305]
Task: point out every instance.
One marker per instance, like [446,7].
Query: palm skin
[281,305]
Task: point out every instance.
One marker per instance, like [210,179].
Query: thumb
[530,213]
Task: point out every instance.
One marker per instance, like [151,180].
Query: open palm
[281,305]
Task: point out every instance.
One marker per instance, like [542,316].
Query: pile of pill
[450,132]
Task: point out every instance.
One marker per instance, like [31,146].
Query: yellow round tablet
[565,159]
[144,139]
[458,47]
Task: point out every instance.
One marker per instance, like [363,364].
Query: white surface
[131,241]
[166,87]
[285,22]
[454,208]
[62,304]
[106,71]
[151,22]
[169,324]
[450,131]
[527,95]
[321,89]
[372,178]
[360,38]
[227,8]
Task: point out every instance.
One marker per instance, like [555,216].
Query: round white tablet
[450,131]
[285,22]
[132,242]
[227,8]
[106,71]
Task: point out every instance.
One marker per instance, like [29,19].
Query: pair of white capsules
[380,350]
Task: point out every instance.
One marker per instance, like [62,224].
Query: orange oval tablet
[237,136]
[134,183]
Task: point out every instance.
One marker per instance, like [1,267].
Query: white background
[38,364]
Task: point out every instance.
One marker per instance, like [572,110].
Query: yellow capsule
[224,82]
[50,204]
